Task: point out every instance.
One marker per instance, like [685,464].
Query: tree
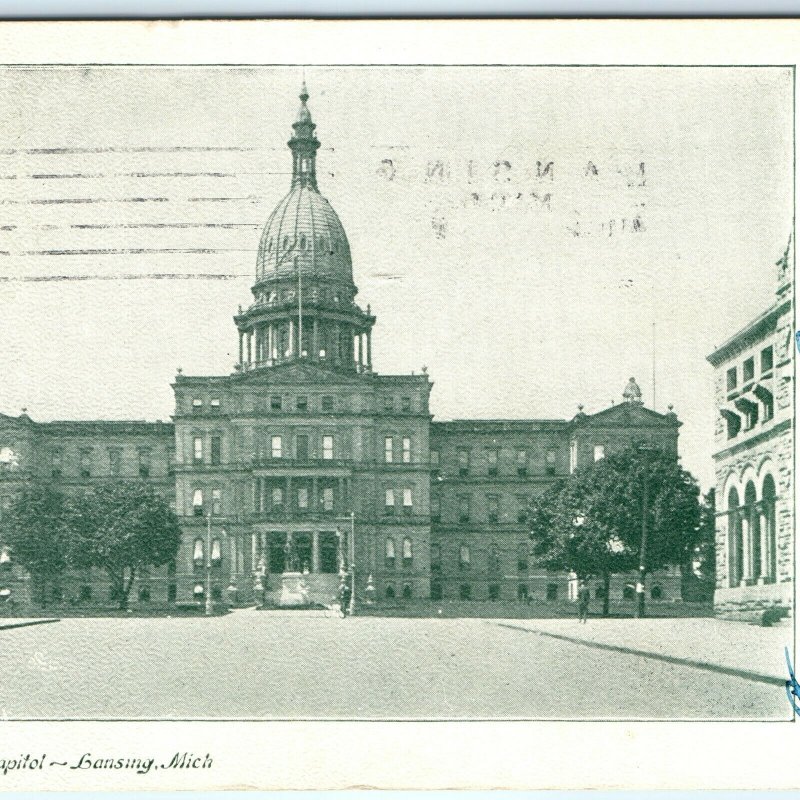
[591,523]
[570,532]
[37,534]
[122,528]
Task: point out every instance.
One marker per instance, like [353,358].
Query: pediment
[628,415]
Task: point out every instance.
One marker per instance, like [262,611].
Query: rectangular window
[491,462]
[407,501]
[390,554]
[327,499]
[216,552]
[435,459]
[277,498]
[766,359]
[216,502]
[145,462]
[463,462]
[302,498]
[215,405]
[276,402]
[748,370]
[406,450]
[197,405]
[388,449]
[599,452]
[216,450]
[327,448]
[86,463]
[197,502]
[436,509]
[327,402]
[550,465]
[388,501]
[493,508]
[55,461]
[522,463]
[522,506]
[405,404]
[463,557]
[115,460]
[463,508]
[277,447]
[302,403]
[301,447]
[731,379]
[388,403]
[573,456]
[198,448]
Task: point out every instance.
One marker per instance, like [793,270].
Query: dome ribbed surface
[304,232]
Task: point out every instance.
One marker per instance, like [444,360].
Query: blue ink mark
[797,339]
[792,686]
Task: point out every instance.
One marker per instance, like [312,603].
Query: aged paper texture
[397,405]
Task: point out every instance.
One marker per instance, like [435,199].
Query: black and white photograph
[397,392]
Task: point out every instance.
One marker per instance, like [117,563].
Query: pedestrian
[584,596]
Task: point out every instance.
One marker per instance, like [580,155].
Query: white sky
[519,306]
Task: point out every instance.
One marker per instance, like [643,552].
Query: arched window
[494,559]
[768,510]
[390,553]
[198,550]
[522,557]
[285,242]
[390,592]
[321,242]
[5,556]
[408,554]
[734,539]
[216,552]
[302,241]
[407,591]
[269,246]
[463,557]
[198,590]
[656,592]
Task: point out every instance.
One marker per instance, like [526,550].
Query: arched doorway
[734,539]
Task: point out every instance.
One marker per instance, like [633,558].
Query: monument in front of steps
[294,588]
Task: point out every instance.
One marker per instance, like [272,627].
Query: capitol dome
[304,232]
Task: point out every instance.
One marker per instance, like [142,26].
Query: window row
[199,553]
[748,369]
[306,446]
[404,498]
[494,559]
[303,242]
[490,461]
[493,509]
[111,462]
[407,553]
[301,404]
[273,499]
[207,502]
[397,449]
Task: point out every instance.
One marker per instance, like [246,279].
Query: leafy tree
[38,535]
[122,528]
[591,522]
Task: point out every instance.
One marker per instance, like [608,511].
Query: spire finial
[303,91]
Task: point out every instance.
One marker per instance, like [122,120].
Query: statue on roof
[632,393]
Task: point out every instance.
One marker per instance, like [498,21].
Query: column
[747,550]
[232,549]
[314,499]
[291,337]
[253,552]
[255,495]
[249,347]
[314,339]
[315,566]
[763,530]
[369,350]
[339,504]
[241,347]
[270,342]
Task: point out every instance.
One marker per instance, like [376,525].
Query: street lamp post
[352,549]
[646,451]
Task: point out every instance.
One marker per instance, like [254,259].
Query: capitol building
[305,459]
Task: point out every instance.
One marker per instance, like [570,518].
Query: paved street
[253,664]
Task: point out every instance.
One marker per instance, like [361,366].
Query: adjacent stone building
[304,453]
[754,399]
